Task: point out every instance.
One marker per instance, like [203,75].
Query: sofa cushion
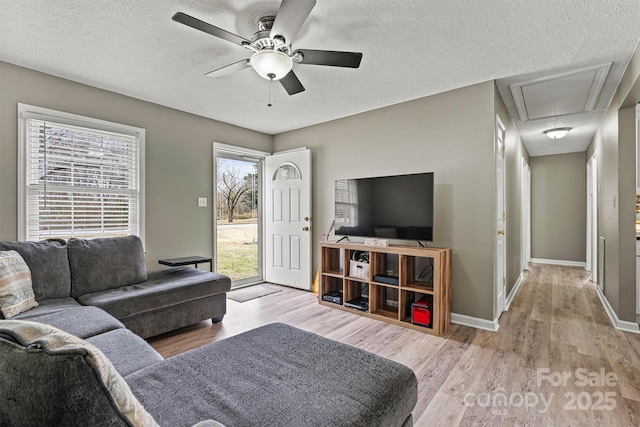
[127,351]
[49,306]
[105,263]
[49,266]
[164,288]
[16,292]
[80,321]
[277,375]
[52,378]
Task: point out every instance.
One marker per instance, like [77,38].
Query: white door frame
[589,260]
[592,217]
[637,192]
[220,149]
[526,215]
[500,215]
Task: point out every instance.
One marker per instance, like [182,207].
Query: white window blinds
[80,180]
[346,202]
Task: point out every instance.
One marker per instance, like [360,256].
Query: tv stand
[420,272]
[343,238]
[419,244]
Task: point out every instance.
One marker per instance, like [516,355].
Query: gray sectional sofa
[110,273]
[276,375]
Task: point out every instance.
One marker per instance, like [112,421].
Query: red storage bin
[421,311]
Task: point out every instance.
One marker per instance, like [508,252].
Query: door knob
[305,229]
[306,218]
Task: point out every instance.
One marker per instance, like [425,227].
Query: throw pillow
[49,265]
[47,340]
[16,290]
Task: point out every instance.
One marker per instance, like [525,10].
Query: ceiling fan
[273,57]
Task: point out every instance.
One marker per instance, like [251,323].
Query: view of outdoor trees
[81,182]
[237,192]
[237,218]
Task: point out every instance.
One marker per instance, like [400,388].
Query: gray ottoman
[277,375]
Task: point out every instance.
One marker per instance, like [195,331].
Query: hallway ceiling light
[557,133]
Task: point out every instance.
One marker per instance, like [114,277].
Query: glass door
[238,217]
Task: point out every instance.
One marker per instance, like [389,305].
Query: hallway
[557,322]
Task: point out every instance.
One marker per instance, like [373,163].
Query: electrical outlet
[202,202]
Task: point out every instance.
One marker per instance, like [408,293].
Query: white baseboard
[475,322]
[559,262]
[622,325]
[514,291]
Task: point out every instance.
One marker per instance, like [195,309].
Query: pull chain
[271,76]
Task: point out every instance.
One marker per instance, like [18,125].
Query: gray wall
[179,159]
[450,134]
[614,145]
[559,207]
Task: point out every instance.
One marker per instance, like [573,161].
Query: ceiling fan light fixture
[268,63]
[557,133]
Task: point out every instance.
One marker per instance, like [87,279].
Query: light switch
[202,202]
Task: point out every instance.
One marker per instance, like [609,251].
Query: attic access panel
[570,93]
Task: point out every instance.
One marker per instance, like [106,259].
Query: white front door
[501,265]
[288,219]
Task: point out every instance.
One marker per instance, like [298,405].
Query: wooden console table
[419,271]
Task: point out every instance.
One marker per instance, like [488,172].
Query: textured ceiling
[412,49]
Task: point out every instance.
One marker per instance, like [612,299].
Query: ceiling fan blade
[330,57]
[291,83]
[229,69]
[192,22]
[290,17]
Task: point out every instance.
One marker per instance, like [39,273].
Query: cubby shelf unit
[420,271]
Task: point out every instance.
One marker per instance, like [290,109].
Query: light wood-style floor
[555,327]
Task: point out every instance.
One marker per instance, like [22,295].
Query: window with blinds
[81,177]
[346,202]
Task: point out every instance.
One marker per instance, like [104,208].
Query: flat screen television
[387,207]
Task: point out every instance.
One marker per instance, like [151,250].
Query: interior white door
[288,219]
[526,215]
[588,266]
[501,265]
[595,264]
